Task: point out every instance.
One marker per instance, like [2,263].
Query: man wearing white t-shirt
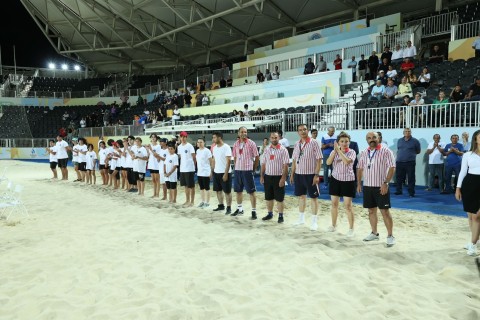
[435,162]
[186,152]
[62,156]
[82,158]
[75,158]
[204,172]
[161,156]
[132,182]
[140,157]
[283,141]
[222,172]
[153,163]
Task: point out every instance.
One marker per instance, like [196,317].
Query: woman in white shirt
[82,158]
[468,190]
[204,172]
[91,164]
[153,163]
[52,151]
[419,110]
[102,156]
[424,79]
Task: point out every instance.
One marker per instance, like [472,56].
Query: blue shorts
[244,180]
[303,185]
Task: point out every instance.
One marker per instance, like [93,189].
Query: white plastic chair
[12,203]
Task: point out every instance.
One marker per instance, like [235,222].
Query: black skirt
[471,193]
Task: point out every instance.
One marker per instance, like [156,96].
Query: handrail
[436,25]
[465,30]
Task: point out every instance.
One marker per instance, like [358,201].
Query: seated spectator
[424,78]
[457,93]
[259,112]
[66,116]
[205,100]
[404,89]
[436,55]
[406,101]
[321,65]
[378,91]
[241,116]
[83,123]
[392,73]
[268,75]
[223,83]
[473,91]
[229,81]
[407,65]
[309,67]
[397,55]
[419,111]
[338,62]
[235,113]
[245,82]
[439,105]
[384,65]
[382,77]
[411,78]
[391,90]
[260,77]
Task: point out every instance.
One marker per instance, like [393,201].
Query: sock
[314,219]
[280,215]
[301,216]
[270,214]
[228,207]
[239,207]
[254,210]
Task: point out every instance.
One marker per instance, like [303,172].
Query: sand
[86,252]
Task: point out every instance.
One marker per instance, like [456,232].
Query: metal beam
[284,15]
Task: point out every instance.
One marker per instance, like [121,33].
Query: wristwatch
[385,182]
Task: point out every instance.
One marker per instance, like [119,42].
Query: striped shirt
[306,156]
[375,165]
[244,154]
[275,158]
[342,171]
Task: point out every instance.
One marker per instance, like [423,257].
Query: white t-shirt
[162,153]
[176,114]
[185,152]
[138,164]
[170,161]
[153,163]
[62,149]
[91,157]
[102,155]
[53,157]
[112,161]
[75,153]
[203,162]
[81,156]
[435,157]
[121,160]
[284,142]
[128,158]
[220,155]
[117,158]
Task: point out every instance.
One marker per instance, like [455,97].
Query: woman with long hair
[153,150]
[468,190]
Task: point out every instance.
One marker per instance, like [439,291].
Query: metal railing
[436,25]
[253,70]
[393,38]
[240,73]
[299,62]
[357,51]
[324,116]
[282,65]
[218,74]
[24,143]
[465,30]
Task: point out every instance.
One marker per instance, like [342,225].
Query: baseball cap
[382,71]
[164,140]
[183,134]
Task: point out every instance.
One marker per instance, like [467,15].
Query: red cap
[183,134]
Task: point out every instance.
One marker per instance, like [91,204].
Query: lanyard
[370,158]
[301,149]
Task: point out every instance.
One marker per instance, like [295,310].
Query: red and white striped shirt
[306,156]
[275,158]
[342,171]
[375,164]
[244,153]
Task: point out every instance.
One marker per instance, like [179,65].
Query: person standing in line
[222,172]
[62,156]
[328,141]
[376,166]
[435,162]
[246,158]
[140,158]
[82,158]
[342,182]
[91,164]
[407,149]
[273,175]
[75,158]
[52,151]
[453,152]
[161,156]
[170,172]
[129,149]
[153,150]
[468,191]
[123,160]
[102,156]
[306,164]
[353,65]
[186,153]
[204,172]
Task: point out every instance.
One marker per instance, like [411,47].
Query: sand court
[86,252]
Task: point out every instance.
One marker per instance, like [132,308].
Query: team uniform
[306,156]
[274,158]
[82,158]
[75,154]
[153,164]
[220,155]
[244,154]
[161,164]
[53,157]
[140,166]
[342,183]
[187,165]
[91,157]
[203,168]
[62,155]
[129,165]
[170,161]
[102,155]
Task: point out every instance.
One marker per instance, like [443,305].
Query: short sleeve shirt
[185,152]
[306,155]
[220,155]
[62,149]
[203,162]
[275,158]
[244,152]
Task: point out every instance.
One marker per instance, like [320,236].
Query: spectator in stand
[404,88]
[188,99]
[83,123]
[268,75]
[260,77]
[436,55]
[453,161]
[397,55]
[476,46]
[419,110]
[409,51]
[229,81]
[106,118]
[439,106]
[457,93]
[387,54]
[65,116]
[259,112]
[198,99]
[205,100]
[139,100]
[223,83]
[473,91]
[378,91]
[282,140]
[411,78]
[407,65]
[392,73]
[466,144]
[391,90]
[382,77]
[338,62]
[407,149]
[435,162]
[321,65]
[202,85]
[241,116]
[401,113]
[353,65]
[373,65]
[309,67]
[424,78]
[208,85]
[383,65]
[175,115]
[276,74]
[362,68]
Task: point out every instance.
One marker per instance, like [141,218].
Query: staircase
[351,93]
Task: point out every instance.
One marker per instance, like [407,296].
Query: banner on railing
[24,153]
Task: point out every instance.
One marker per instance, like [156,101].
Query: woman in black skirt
[468,190]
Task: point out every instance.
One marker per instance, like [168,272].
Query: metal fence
[282,65]
[240,73]
[253,70]
[300,62]
[218,74]
[24,143]
[357,51]
[393,38]
[465,30]
[435,25]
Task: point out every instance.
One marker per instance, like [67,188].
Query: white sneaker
[372,236]
[472,249]
[350,233]
[301,220]
[201,205]
[466,246]
[331,229]
[390,241]
[206,205]
[314,226]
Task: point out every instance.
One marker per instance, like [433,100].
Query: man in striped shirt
[275,161]
[245,155]
[376,166]
[306,164]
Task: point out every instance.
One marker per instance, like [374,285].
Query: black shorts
[53,165]
[341,188]
[373,199]
[220,185]
[272,190]
[62,163]
[101,167]
[110,171]
[187,179]
[131,176]
[204,183]
[118,169]
[171,185]
[153,171]
[82,166]
[303,185]
[139,176]
[124,169]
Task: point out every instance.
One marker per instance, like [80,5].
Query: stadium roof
[145,35]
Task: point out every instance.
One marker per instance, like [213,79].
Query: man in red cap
[186,152]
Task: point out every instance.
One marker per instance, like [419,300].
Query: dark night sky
[32,48]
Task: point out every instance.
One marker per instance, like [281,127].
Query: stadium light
[76,67]
[51,65]
[64,67]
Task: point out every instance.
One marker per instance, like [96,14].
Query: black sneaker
[237,213]
[229,211]
[254,216]
[267,217]
[280,219]
[220,207]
